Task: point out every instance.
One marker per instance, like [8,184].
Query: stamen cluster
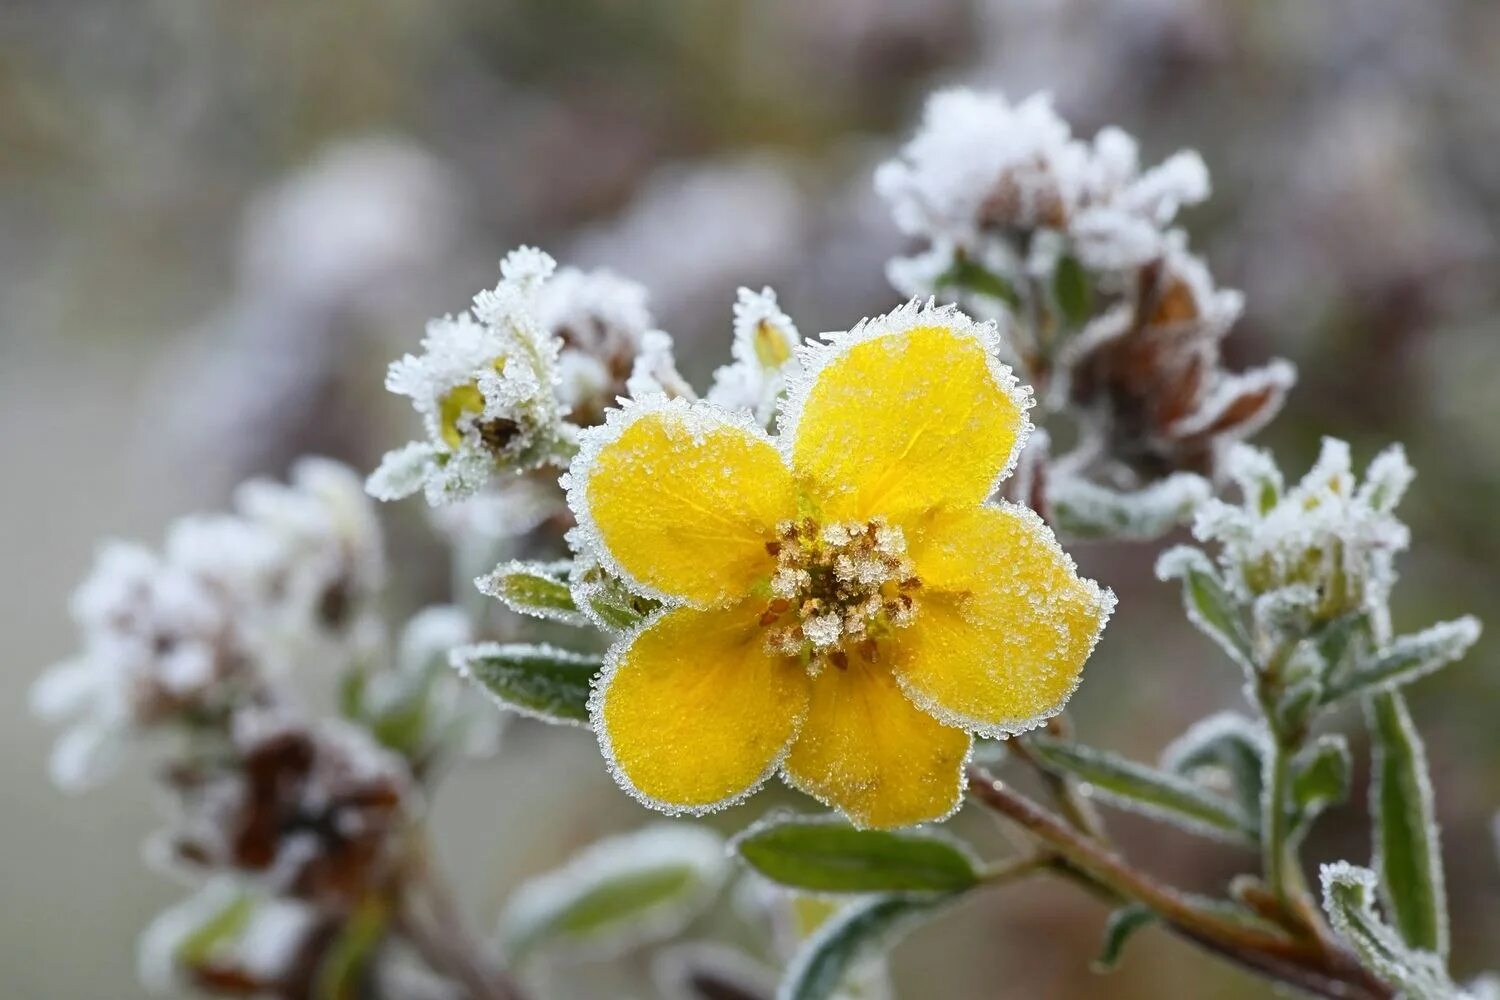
[837,586]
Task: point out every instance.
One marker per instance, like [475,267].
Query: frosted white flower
[1328,543]
[655,371]
[764,351]
[600,319]
[230,602]
[1007,190]
[330,547]
[485,385]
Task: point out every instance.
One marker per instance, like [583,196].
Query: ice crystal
[1327,545]
[486,387]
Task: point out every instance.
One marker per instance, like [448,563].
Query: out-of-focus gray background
[218,220]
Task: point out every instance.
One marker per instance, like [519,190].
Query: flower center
[837,588]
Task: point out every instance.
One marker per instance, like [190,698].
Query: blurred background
[219,221]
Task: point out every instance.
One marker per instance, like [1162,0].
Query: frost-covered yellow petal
[866,750]
[906,421]
[1003,622]
[684,500]
[694,712]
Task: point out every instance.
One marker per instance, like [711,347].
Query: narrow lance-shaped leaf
[827,855]
[1349,899]
[1084,509]
[1146,790]
[859,931]
[1122,926]
[538,589]
[619,893]
[1229,743]
[542,681]
[1070,288]
[971,277]
[1209,605]
[1409,658]
[1321,776]
[1406,832]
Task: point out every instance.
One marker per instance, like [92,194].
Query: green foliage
[1349,899]
[538,589]
[1405,825]
[827,855]
[1321,777]
[619,893]
[1408,658]
[859,931]
[968,276]
[1228,743]
[541,681]
[1208,602]
[1147,790]
[1122,926]
[1072,292]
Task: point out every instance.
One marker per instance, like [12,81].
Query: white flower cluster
[1007,187]
[765,353]
[601,320]
[229,601]
[1322,549]
[485,385]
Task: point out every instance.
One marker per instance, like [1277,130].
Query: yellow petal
[694,713]
[1003,622]
[683,499]
[867,751]
[905,420]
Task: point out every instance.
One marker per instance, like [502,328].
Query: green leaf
[1409,658]
[619,893]
[537,680]
[608,603]
[827,855]
[1321,777]
[861,930]
[1070,287]
[1406,830]
[539,589]
[221,927]
[1229,743]
[1122,925]
[1349,899]
[341,974]
[968,276]
[1208,602]
[1146,790]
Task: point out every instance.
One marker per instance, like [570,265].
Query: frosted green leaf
[825,854]
[538,680]
[1208,603]
[1121,927]
[1321,777]
[1227,745]
[619,893]
[1409,658]
[538,589]
[1146,790]
[1349,899]
[859,931]
[1407,859]
[1084,509]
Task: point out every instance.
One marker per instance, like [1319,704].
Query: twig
[1311,966]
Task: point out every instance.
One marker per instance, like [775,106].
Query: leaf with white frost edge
[1349,899]
[1228,743]
[1208,603]
[826,854]
[1407,854]
[1084,509]
[1409,658]
[861,930]
[538,589]
[536,680]
[1146,790]
[618,894]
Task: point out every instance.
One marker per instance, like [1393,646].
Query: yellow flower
[842,604]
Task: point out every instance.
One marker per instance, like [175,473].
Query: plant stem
[1077,809]
[447,943]
[1274,828]
[1314,966]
